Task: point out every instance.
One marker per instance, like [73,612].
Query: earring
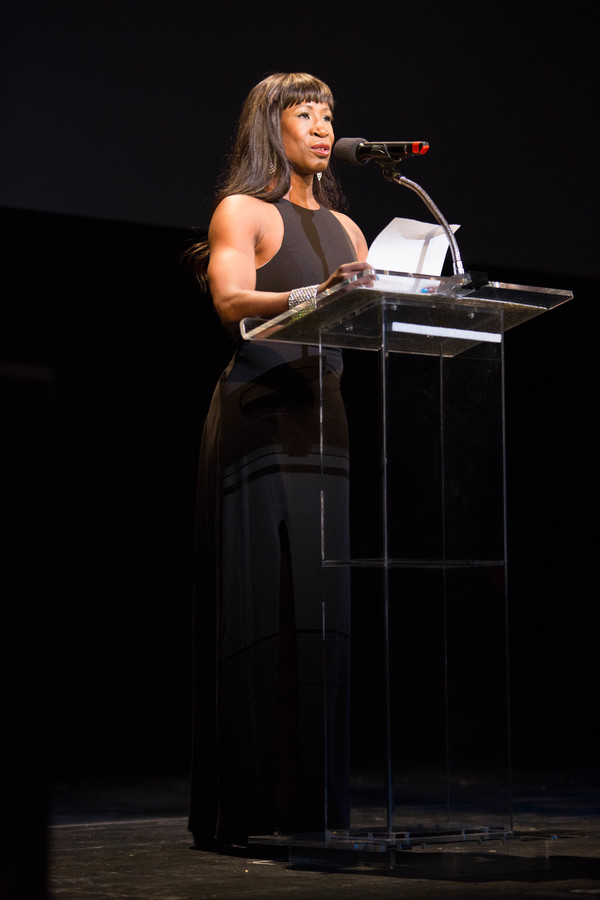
[319,175]
[271,168]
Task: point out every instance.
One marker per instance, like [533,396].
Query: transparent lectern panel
[476,643]
[362,398]
[472,438]
[447,742]
[426,456]
[427,565]
[444,460]
[414,457]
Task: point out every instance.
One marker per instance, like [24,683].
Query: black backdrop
[116,119]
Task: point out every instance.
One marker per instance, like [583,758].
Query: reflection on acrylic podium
[430,736]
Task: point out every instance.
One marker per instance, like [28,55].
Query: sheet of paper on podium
[406,245]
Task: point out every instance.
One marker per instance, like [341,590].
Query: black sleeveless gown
[264,761]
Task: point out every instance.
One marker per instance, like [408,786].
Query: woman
[275,239]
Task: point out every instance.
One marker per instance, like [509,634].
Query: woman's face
[307,133]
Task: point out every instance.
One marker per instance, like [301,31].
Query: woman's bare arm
[239,230]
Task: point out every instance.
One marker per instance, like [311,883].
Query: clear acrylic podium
[430,735]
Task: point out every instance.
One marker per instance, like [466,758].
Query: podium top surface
[408,313]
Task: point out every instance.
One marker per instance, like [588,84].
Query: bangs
[298,88]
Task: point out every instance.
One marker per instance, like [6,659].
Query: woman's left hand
[359,273]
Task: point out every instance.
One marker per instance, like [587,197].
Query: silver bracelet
[301,295]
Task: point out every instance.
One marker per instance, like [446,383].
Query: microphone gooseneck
[397,178]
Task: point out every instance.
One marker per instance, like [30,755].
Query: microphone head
[345,150]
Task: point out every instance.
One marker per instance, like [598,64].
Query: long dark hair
[257,164]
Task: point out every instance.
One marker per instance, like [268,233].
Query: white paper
[406,245]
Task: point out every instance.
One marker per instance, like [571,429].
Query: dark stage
[127,838]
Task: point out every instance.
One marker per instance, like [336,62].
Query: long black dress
[282,620]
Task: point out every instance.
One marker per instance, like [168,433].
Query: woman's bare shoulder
[242,204]
[241,220]
[242,211]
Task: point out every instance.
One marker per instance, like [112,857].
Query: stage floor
[127,838]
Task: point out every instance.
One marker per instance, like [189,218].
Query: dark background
[116,117]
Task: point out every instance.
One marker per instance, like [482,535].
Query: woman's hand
[358,273]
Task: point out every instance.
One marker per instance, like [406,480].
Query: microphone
[357,151]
